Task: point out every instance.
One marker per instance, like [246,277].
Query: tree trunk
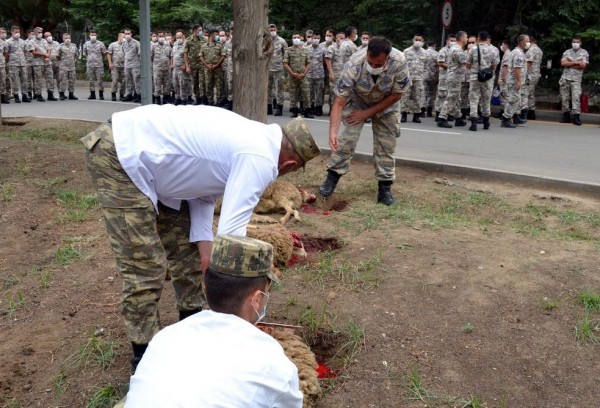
[252,49]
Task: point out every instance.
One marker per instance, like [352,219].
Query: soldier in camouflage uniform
[29,47]
[316,74]
[161,61]
[514,74]
[42,67]
[53,47]
[193,48]
[348,46]
[93,51]
[3,55]
[275,85]
[297,63]
[371,86]
[534,57]
[466,82]
[229,71]
[431,79]
[574,61]
[335,65]
[133,69]
[456,62]
[179,70]
[481,92]
[411,99]
[16,48]
[116,64]
[67,56]
[442,63]
[212,56]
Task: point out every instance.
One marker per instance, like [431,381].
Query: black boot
[327,188]
[473,126]
[26,98]
[17,99]
[184,314]
[198,101]
[430,112]
[62,96]
[384,195]
[486,122]
[479,119]
[450,118]
[269,109]
[506,123]
[523,115]
[30,95]
[443,123]
[4,98]
[278,110]
[416,118]
[177,102]
[51,96]
[531,115]
[566,117]
[307,113]
[39,98]
[72,97]
[294,112]
[138,353]
[403,118]
[128,98]
[437,116]
[204,100]
[92,95]
[465,114]
[423,112]
[319,110]
[121,97]
[517,120]
[576,119]
[137,98]
[101,95]
[113,96]
[460,122]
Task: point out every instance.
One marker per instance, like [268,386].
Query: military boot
[62,96]
[443,123]
[184,314]
[327,188]
[4,98]
[121,97]
[51,96]
[269,109]
[473,126]
[39,98]
[307,113]
[113,96]
[437,116]
[517,120]
[177,102]
[430,112]
[92,95]
[17,99]
[128,98]
[72,97]
[138,353]
[576,119]
[460,122]
[423,112]
[101,95]
[294,112]
[416,118]
[403,117]
[566,117]
[384,195]
[486,122]
[25,98]
[524,115]
[137,98]
[278,110]
[319,110]
[506,123]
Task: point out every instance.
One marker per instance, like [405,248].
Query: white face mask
[49,39]
[316,41]
[217,38]
[273,33]
[128,37]
[328,39]
[92,38]
[179,41]
[418,44]
[576,46]
[264,311]
[68,41]
[168,38]
[3,36]
[154,39]
[296,41]
[16,36]
[452,43]
[161,40]
[374,71]
[38,36]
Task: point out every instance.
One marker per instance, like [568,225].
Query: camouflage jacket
[516,60]
[53,47]
[16,52]
[67,54]
[456,64]
[132,50]
[316,56]
[161,56]
[193,47]
[279,47]
[334,53]
[489,59]
[572,74]
[431,68]
[40,45]
[94,53]
[297,58]
[534,55]
[115,49]
[416,58]
[177,55]
[347,48]
[212,53]
[443,57]
[3,49]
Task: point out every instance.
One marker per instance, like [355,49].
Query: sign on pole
[447,14]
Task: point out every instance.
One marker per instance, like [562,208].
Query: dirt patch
[472,284]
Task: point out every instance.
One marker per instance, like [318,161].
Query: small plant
[60,383]
[76,203]
[590,300]
[45,277]
[355,334]
[16,301]
[95,352]
[67,254]
[8,192]
[417,392]
[11,280]
[107,396]
[550,304]
[586,329]
[468,328]
[474,402]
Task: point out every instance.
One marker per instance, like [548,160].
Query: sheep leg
[289,211]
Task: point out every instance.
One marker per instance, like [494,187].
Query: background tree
[31,13]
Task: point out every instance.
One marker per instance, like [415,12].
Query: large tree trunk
[252,48]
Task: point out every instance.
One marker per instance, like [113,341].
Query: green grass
[468,328]
[45,277]
[52,134]
[588,329]
[107,396]
[355,335]
[60,383]
[417,392]
[76,203]
[8,192]
[67,254]
[590,300]
[550,304]
[11,280]
[15,302]
[96,351]
[51,183]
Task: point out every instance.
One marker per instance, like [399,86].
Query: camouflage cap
[299,136]
[242,257]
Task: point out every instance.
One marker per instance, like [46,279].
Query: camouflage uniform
[133,70]
[68,55]
[192,48]
[53,47]
[411,99]
[347,49]
[29,64]
[42,70]
[161,55]
[334,53]
[481,92]
[212,53]
[297,59]
[115,49]
[516,59]
[570,81]
[534,55]
[94,54]
[3,87]
[228,69]
[146,244]
[357,86]
[464,87]
[181,79]
[454,78]
[17,65]
[316,75]
[275,86]
[503,63]
[442,90]
[430,82]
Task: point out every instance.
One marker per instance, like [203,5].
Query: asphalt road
[542,149]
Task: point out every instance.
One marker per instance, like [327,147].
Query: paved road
[543,149]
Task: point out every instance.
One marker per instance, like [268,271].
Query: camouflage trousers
[133,77]
[464,95]
[275,88]
[513,101]
[30,78]
[118,80]
[570,91]
[3,76]
[18,79]
[429,94]
[181,84]
[480,94]
[214,85]
[528,94]
[299,91]
[161,82]
[442,93]
[229,82]
[56,74]
[146,244]
[95,75]
[66,80]
[198,76]
[451,105]
[386,129]
[316,87]
[42,73]
[411,98]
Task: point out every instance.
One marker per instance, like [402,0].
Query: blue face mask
[200,34]
[264,311]
[217,38]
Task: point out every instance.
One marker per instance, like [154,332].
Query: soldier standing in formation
[456,61]
[17,69]
[431,78]
[212,56]
[297,63]
[442,63]
[67,55]
[534,66]
[53,48]
[316,74]
[335,65]
[181,75]
[161,61]
[133,70]
[192,50]
[573,61]
[3,56]
[513,75]
[42,67]
[411,99]
[481,57]
[228,47]
[116,64]
[275,85]
[93,51]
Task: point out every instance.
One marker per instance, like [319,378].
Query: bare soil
[467,291]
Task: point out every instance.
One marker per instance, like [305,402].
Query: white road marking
[402,128]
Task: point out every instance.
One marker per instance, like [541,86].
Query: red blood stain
[315,244]
[325,372]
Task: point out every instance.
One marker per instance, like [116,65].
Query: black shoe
[460,122]
[423,112]
[138,353]
[506,123]
[17,99]
[486,122]
[137,98]
[278,110]
[204,100]
[198,101]
[4,99]
[465,114]
[121,98]
[328,187]
[531,115]
[566,117]
[92,95]
[183,102]
[319,111]
[307,113]
[384,195]
[101,95]
[184,314]
[443,123]
[113,96]
[30,95]
[403,118]
[72,97]
[517,120]
[51,96]
[39,98]
[269,109]
[524,115]
[26,98]
[473,126]
[128,98]
[62,96]
[437,116]
[479,119]
[450,118]
[430,112]
[416,118]
[576,119]
[294,112]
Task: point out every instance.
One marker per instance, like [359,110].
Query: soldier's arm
[517,72]
[329,69]
[288,69]
[442,64]
[110,60]
[220,62]
[187,60]
[202,60]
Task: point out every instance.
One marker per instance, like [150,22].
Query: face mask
[418,44]
[16,36]
[316,41]
[38,36]
[273,33]
[161,40]
[154,39]
[200,34]
[264,311]
[92,38]
[217,38]
[3,36]
[31,37]
[128,37]
[470,46]
[452,43]
[576,46]
[527,45]
[49,39]
[179,42]
[67,41]
[168,38]
[374,71]
[328,39]
[297,41]
[365,42]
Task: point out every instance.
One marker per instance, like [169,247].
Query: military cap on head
[299,136]
[242,257]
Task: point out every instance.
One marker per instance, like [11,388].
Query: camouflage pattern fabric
[416,57]
[279,47]
[301,139]
[118,79]
[39,45]
[115,49]
[347,49]
[275,87]
[212,53]
[316,89]
[316,54]
[411,99]
[570,92]
[214,85]
[430,89]
[18,79]
[452,101]
[198,78]
[145,244]
[16,52]
[95,75]
[464,95]
[296,57]
[192,47]
[161,81]
[228,70]
[94,53]
[516,61]
[513,101]
[528,93]
[572,74]
[42,73]
[534,55]
[68,55]
[133,77]
[131,50]
[480,93]
[431,68]
[181,84]
[242,257]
